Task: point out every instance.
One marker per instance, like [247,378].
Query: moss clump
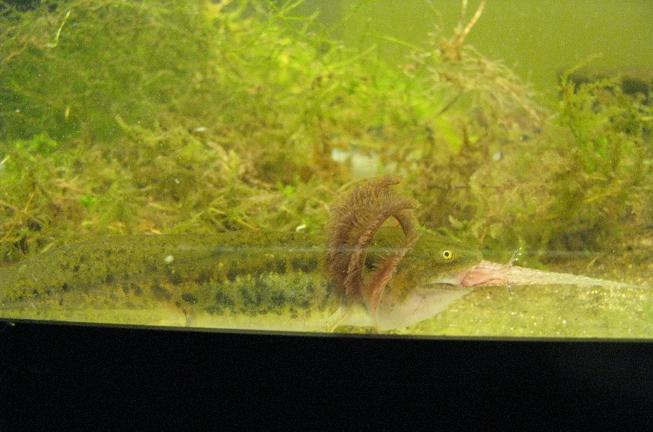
[582,183]
[179,116]
[194,116]
[70,66]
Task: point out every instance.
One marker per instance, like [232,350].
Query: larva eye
[447,255]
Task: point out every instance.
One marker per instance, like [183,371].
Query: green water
[537,39]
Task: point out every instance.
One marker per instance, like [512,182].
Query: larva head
[398,271]
[434,258]
[423,283]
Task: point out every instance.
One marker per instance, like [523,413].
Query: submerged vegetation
[194,116]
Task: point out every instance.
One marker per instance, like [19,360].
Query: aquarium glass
[443,168]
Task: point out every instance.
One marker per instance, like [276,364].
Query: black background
[56,377]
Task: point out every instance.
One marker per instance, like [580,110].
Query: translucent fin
[419,305]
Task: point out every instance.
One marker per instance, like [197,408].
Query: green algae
[231,121]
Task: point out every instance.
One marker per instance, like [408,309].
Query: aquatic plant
[510,173]
[69,67]
[583,183]
[182,116]
[188,89]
